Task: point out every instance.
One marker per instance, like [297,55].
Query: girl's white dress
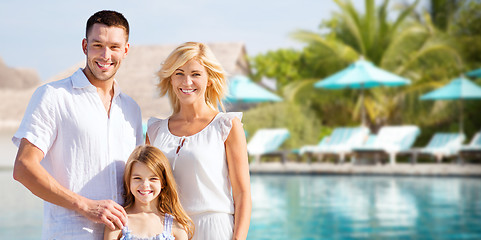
[200,169]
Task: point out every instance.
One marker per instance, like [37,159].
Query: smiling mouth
[188,90]
[146,192]
[104,66]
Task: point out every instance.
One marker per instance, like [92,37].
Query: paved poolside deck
[402,169]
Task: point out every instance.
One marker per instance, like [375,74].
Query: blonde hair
[169,202]
[201,53]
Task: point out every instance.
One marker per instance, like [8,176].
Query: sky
[47,35]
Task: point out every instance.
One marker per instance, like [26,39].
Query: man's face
[105,48]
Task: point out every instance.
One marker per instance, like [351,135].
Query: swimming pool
[20,211]
[365,207]
[319,207]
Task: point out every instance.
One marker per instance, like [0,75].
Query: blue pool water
[365,207]
[318,207]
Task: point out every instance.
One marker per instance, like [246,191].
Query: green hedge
[302,123]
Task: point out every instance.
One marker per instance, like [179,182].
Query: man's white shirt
[84,149]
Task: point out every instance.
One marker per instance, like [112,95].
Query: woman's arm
[236,152]
[110,234]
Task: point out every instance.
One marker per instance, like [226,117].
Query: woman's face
[189,82]
[144,184]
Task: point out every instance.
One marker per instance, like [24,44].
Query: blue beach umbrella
[458,89]
[243,90]
[474,73]
[360,75]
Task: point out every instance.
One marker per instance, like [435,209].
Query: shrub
[303,125]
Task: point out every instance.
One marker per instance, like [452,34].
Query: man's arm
[28,171]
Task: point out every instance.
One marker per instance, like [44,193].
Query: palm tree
[417,51]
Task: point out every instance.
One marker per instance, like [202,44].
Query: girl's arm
[179,232]
[236,152]
[110,234]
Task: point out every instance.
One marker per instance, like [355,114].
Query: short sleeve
[39,125]
[153,125]
[226,123]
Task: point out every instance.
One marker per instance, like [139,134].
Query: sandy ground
[421,169]
[8,150]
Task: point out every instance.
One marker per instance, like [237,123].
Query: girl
[151,200]
[206,148]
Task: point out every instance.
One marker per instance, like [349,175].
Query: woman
[206,148]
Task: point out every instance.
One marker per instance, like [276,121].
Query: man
[77,134]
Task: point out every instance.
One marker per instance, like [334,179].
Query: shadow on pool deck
[402,169]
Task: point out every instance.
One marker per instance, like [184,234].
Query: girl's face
[144,184]
[189,82]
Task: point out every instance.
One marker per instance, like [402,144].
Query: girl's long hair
[202,53]
[169,202]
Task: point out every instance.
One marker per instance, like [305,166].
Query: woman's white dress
[200,169]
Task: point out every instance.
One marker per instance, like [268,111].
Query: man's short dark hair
[109,18]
